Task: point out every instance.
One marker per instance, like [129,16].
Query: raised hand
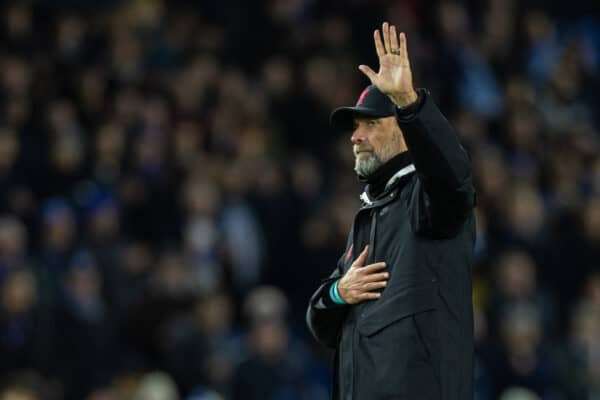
[394,77]
[360,281]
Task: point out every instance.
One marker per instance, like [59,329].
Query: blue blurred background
[171,193]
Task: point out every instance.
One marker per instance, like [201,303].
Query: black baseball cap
[371,103]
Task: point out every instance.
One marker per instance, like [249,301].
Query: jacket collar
[390,185]
[377,181]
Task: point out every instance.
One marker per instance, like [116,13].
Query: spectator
[86,343]
[517,283]
[27,332]
[526,360]
[207,347]
[276,365]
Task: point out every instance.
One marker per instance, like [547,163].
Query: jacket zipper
[370,260]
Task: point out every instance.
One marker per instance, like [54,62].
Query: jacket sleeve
[445,195]
[324,317]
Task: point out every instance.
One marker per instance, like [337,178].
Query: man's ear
[403,145]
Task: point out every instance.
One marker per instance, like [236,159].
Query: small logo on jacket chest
[349,253]
[384,211]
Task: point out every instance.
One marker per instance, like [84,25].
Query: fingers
[368,72]
[362,283]
[369,296]
[393,39]
[371,268]
[370,286]
[382,276]
[386,37]
[403,49]
[378,44]
[362,257]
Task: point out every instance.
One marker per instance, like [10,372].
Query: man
[397,308]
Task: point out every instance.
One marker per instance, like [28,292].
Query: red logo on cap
[362,97]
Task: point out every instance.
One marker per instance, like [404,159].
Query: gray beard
[366,166]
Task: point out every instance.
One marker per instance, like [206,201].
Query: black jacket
[416,341]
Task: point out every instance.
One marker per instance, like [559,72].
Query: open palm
[394,77]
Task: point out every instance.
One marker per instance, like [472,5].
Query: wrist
[404,99]
[335,294]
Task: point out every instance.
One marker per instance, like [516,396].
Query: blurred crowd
[172,193]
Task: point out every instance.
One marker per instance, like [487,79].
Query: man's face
[375,141]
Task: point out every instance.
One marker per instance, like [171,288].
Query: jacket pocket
[409,301]
[397,346]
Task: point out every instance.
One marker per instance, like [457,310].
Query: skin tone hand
[394,77]
[359,282]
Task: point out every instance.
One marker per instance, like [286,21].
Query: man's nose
[358,136]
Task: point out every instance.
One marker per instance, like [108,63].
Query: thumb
[362,257]
[365,69]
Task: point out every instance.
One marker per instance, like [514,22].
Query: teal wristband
[334,294]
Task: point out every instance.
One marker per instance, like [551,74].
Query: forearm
[439,158]
[324,317]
